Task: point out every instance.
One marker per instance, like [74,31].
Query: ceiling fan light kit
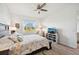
[40,8]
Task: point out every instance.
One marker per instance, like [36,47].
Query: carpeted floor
[58,49]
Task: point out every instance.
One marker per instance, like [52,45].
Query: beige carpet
[58,49]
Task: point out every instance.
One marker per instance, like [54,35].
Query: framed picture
[29,25]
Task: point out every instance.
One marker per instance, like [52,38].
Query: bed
[29,44]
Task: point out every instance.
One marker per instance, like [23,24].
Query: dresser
[52,37]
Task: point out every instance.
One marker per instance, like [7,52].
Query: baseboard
[65,45]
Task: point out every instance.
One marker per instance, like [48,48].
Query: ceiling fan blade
[35,10]
[42,5]
[44,10]
[38,6]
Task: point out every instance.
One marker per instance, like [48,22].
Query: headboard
[4,30]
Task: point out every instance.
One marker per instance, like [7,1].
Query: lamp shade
[12,28]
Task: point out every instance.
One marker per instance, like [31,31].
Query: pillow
[29,33]
[13,38]
[19,38]
[16,37]
[18,34]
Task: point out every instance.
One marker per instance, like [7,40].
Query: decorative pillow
[16,37]
[19,38]
[13,38]
[15,41]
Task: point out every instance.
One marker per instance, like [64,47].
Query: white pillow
[19,36]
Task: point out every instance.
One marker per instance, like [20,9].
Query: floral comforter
[29,44]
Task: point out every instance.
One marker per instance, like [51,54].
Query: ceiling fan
[40,8]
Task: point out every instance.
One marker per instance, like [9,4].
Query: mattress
[30,38]
[29,44]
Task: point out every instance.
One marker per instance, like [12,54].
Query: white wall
[4,14]
[65,20]
[61,16]
[19,19]
[77,26]
[78,23]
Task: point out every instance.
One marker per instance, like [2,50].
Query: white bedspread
[31,38]
[29,44]
[5,43]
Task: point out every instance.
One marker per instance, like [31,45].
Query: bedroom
[24,19]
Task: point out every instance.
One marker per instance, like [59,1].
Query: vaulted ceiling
[27,9]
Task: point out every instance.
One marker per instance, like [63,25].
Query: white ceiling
[27,9]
